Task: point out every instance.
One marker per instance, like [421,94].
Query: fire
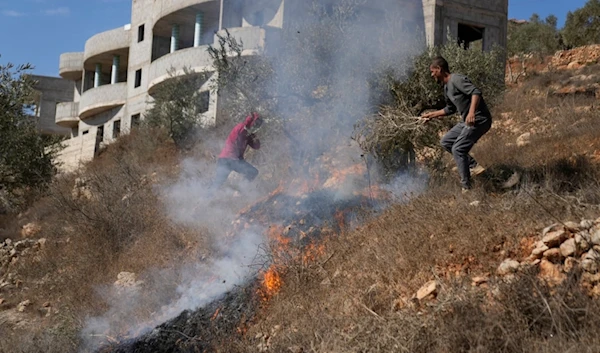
[271,281]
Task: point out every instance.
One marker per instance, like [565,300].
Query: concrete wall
[51,90]
[443,17]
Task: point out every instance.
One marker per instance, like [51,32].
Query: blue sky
[38,31]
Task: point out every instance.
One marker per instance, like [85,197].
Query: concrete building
[112,81]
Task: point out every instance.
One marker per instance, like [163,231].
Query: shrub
[394,131]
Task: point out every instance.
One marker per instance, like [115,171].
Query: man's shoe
[477,170]
[466,191]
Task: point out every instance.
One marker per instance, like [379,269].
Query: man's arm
[465,86]
[448,110]
[253,142]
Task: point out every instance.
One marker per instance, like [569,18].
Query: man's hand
[470,120]
[425,118]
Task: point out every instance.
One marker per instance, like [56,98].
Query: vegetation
[178,106]
[582,26]
[537,36]
[26,157]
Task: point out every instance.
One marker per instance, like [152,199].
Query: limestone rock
[539,250]
[23,305]
[513,181]
[586,224]
[572,226]
[127,280]
[568,248]
[30,230]
[553,255]
[430,289]
[508,266]
[552,228]
[590,261]
[554,238]
[595,237]
[524,139]
[582,239]
[574,65]
[551,272]
[570,264]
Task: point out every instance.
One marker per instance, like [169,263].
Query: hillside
[414,266]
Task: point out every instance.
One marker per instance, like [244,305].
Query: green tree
[582,26]
[178,106]
[26,156]
[534,37]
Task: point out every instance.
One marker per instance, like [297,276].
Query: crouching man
[463,96]
[232,154]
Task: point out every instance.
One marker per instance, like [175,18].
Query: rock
[508,266]
[595,237]
[553,228]
[590,261]
[475,203]
[554,238]
[2,301]
[46,305]
[296,349]
[479,280]
[568,248]
[30,229]
[7,241]
[586,224]
[430,289]
[572,226]
[582,240]
[42,242]
[570,264]
[524,139]
[539,251]
[23,305]
[551,272]
[573,65]
[127,280]
[553,255]
[513,181]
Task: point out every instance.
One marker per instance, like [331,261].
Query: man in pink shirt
[231,157]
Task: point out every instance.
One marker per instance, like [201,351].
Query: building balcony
[111,41]
[103,98]
[253,38]
[171,65]
[70,66]
[67,114]
[168,7]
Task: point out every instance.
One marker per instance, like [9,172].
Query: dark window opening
[204,101]
[99,138]
[135,120]
[470,36]
[75,132]
[85,132]
[141,33]
[116,128]
[138,78]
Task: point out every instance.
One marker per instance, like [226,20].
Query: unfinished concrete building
[111,82]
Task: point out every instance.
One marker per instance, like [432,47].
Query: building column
[174,38]
[97,75]
[114,77]
[198,29]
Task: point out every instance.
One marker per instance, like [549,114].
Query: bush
[582,26]
[393,135]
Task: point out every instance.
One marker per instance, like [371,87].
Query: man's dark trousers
[459,141]
[225,166]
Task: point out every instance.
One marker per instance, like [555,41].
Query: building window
[116,128]
[138,78]
[470,37]
[135,120]
[85,132]
[140,33]
[204,101]
[99,139]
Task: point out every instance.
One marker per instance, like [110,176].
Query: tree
[582,26]
[534,37]
[26,156]
[178,105]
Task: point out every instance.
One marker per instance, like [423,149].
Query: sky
[38,31]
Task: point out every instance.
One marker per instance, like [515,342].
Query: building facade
[105,90]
